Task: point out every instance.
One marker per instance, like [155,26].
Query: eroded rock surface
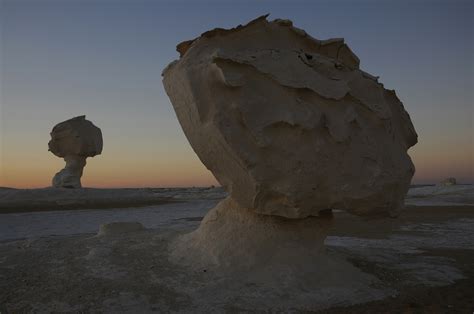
[289,124]
[74,140]
[237,238]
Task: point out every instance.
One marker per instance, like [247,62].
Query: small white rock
[74,140]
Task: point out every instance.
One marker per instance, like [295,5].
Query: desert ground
[56,260]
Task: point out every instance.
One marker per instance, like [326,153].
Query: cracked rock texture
[74,140]
[289,124]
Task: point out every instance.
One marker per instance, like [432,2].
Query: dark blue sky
[104,58]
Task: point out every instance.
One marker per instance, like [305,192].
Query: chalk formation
[74,140]
[448,182]
[290,126]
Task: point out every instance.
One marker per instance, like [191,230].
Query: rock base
[273,251]
[231,237]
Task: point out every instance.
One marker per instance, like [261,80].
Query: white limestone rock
[448,182]
[74,140]
[289,124]
[234,238]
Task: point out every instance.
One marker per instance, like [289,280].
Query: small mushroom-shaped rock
[74,140]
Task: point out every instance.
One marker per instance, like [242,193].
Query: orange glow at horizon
[110,170]
[102,172]
[182,176]
[26,163]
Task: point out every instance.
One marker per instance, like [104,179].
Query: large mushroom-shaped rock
[74,140]
[291,127]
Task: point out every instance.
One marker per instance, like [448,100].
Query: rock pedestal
[234,238]
[70,176]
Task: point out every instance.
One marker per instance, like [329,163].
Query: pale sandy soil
[436,195]
[47,199]
[27,200]
[53,261]
[444,237]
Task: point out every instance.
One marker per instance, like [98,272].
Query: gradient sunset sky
[104,58]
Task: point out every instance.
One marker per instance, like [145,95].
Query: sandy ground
[29,200]
[436,195]
[424,263]
[417,296]
[48,199]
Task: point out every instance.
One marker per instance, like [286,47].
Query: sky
[103,59]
